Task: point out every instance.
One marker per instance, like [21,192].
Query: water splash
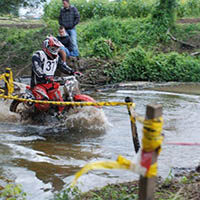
[88,120]
[81,119]
[5,114]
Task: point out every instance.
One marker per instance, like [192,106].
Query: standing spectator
[69,18]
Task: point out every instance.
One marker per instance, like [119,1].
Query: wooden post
[136,142]
[147,185]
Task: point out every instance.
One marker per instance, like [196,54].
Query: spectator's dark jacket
[69,18]
[66,41]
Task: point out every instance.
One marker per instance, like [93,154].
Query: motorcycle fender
[83,97]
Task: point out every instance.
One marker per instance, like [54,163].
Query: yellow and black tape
[61,103]
[152,137]
[7,77]
[121,164]
[152,141]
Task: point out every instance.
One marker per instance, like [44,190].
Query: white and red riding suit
[44,67]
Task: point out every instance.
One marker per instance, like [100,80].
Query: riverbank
[181,184]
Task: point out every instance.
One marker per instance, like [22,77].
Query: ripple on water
[50,155]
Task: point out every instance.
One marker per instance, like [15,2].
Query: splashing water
[87,119]
[5,114]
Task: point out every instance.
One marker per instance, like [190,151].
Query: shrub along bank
[121,8]
[138,49]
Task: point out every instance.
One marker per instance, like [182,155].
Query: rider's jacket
[43,66]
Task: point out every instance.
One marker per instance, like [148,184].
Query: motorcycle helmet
[51,46]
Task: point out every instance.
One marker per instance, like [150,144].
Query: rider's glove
[69,69]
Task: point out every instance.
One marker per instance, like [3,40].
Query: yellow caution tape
[8,79]
[120,163]
[2,91]
[152,140]
[62,103]
[152,170]
[140,119]
[132,118]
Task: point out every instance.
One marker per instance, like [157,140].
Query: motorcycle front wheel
[17,105]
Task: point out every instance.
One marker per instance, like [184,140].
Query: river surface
[44,159]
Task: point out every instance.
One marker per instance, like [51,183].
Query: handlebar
[62,80]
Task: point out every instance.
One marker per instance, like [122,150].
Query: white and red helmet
[51,46]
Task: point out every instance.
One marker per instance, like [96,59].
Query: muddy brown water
[44,159]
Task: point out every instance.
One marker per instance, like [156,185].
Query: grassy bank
[181,185]
[134,49]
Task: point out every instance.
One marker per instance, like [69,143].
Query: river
[44,159]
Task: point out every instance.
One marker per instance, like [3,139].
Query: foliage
[188,8]
[52,10]
[101,8]
[127,192]
[164,13]
[98,9]
[12,7]
[103,48]
[18,45]
[125,34]
[131,38]
[13,192]
[68,194]
[142,65]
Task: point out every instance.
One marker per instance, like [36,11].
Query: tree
[12,6]
[164,13]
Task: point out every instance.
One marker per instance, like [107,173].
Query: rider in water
[44,64]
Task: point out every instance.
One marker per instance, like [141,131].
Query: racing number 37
[50,66]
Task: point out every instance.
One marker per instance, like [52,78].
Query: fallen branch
[180,41]
[195,54]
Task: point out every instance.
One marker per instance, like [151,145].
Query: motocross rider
[44,64]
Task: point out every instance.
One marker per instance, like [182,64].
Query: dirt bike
[66,88]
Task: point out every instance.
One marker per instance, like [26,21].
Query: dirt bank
[183,184]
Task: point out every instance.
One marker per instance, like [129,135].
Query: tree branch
[180,41]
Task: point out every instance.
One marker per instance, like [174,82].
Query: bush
[140,65]
[125,34]
[13,192]
[164,13]
[103,48]
[18,45]
[125,8]
[188,8]
[101,8]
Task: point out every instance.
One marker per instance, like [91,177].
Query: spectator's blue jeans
[69,53]
[73,36]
